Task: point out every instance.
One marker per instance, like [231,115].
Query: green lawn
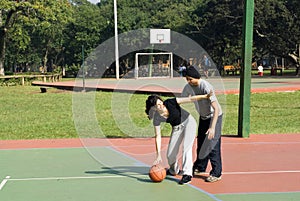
[26,113]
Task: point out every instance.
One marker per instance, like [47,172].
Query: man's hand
[211,133]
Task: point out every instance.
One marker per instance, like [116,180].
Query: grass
[26,113]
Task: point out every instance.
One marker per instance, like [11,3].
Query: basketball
[157,173]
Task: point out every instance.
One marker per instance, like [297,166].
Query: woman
[183,131]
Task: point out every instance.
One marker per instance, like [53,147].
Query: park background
[42,157]
[44,37]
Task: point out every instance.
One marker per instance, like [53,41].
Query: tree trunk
[45,60]
[2,46]
[298,70]
[3,30]
[2,51]
[298,65]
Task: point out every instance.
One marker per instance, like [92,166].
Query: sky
[94,1]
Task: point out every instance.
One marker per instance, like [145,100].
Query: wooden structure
[51,78]
[231,69]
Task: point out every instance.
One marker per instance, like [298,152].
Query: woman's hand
[157,160]
[210,94]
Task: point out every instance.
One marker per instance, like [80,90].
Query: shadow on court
[133,172]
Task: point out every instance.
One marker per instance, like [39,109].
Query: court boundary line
[70,178]
[262,172]
[4,181]
[98,177]
[8,178]
[257,193]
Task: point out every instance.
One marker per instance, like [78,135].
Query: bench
[231,69]
[275,69]
[51,78]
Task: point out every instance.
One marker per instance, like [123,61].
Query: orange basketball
[157,173]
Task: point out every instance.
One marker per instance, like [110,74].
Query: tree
[41,18]
[8,15]
[88,27]
[272,19]
[217,26]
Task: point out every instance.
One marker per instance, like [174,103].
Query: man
[205,64]
[210,125]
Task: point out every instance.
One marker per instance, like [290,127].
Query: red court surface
[225,85]
[259,164]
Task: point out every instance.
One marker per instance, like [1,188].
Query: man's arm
[211,130]
[193,98]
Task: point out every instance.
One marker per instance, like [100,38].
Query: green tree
[20,20]
[9,10]
[87,29]
[217,26]
[272,19]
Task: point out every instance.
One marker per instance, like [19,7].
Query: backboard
[160,36]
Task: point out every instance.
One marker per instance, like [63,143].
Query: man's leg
[215,155]
[201,162]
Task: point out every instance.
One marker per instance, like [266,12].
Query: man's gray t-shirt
[203,106]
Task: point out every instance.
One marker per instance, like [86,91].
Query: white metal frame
[136,68]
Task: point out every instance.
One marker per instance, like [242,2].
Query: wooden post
[22,80]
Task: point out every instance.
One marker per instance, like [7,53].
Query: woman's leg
[173,148]
[189,134]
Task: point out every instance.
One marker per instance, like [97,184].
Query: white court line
[258,143]
[263,172]
[69,178]
[4,182]
[136,174]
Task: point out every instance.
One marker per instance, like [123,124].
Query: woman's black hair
[150,102]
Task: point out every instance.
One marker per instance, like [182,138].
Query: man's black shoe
[185,179]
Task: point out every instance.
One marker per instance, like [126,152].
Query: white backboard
[160,36]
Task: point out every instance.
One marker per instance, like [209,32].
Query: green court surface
[62,174]
[72,174]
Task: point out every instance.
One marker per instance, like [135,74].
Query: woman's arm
[157,145]
[193,98]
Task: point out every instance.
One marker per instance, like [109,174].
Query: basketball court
[262,167]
